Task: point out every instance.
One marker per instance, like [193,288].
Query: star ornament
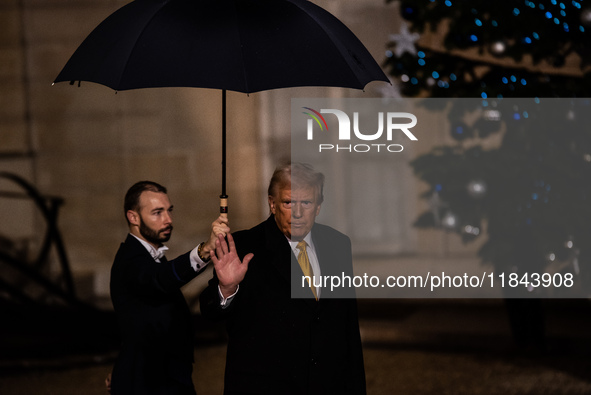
[405,41]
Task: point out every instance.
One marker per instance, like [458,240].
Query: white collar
[307,239]
[157,254]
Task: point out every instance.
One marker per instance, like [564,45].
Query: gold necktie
[304,262]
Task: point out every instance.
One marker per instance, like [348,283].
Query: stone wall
[88,144]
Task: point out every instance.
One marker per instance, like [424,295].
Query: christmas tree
[530,194]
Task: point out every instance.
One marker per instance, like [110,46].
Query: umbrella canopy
[238,45]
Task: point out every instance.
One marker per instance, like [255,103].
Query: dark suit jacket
[156,354]
[279,345]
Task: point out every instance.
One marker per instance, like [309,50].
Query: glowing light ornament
[586,17]
[573,255]
[498,48]
[449,221]
[471,230]
[460,131]
[476,189]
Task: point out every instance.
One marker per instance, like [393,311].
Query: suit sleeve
[209,301]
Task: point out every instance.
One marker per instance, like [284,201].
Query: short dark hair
[296,175]
[132,197]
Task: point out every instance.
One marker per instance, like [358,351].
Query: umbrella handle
[224,205]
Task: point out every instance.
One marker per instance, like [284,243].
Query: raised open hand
[229,269]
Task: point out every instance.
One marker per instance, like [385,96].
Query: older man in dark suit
[156,354]
[287,336]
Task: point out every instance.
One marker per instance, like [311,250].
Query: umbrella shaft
[223,196]
[223,142]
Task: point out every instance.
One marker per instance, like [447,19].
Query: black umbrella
[238,45]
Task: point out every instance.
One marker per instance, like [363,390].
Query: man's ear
[133,217]
[271,204]
[317,210]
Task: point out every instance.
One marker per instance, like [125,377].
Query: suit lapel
[326,251]
[280,250]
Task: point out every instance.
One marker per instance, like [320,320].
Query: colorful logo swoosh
[316,115]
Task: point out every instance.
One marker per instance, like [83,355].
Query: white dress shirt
[196,262]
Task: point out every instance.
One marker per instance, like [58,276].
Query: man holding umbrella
[286,337]
[156,353]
